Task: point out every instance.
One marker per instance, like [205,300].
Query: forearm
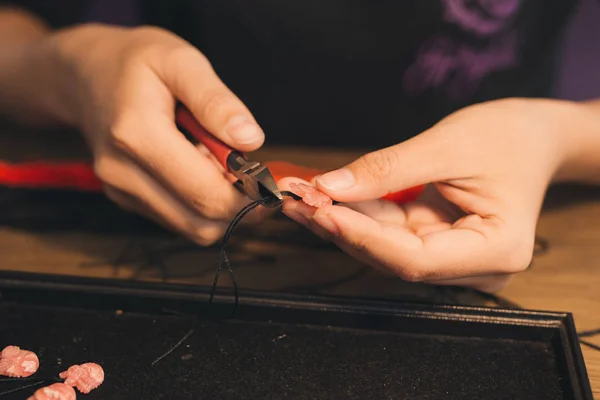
[581,131]
[30,91]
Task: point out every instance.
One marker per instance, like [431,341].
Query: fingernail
[326,223]
[243,130]
[296,216]
[340,179]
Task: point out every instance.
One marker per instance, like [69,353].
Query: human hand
[125,84]
[487,168]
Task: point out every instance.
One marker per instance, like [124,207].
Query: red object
[80,176]
[66,175]
[185,119]
[282,169]
[279,169]
[405,196]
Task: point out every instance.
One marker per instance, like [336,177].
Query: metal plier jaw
[255,180]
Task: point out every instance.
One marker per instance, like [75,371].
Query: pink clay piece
[85,377]
[18,363]
[311,195]
[56,391]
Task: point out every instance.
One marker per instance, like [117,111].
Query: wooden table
[566,278]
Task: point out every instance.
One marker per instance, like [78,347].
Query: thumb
[417,161]
[192,79]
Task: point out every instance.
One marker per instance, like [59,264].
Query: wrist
[83,55]
[43,82]
[579,131]
[46,84]
[58,63]
[31,82]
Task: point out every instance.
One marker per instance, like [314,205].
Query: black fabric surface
[234,360]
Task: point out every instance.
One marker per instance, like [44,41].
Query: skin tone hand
[147,165]
[119,86]
[487,168]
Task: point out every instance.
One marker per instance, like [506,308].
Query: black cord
[39,382]
[33,378]
[505,303]
[541,247]
[174,347]
[592,332]
[589,344]
[223,259]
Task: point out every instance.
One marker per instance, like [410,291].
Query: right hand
[126,83]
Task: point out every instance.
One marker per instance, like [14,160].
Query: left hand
[487,168]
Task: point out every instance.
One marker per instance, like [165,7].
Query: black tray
[286,347]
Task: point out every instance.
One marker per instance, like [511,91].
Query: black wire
[592,332]
[542,246]
[293,195]
[39,382]
[223,259]
[53,380]
[590,345]
[174,347]
[503,302]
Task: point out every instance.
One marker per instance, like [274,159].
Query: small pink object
[56,391]
[311,195]
[18,363]
[85,377]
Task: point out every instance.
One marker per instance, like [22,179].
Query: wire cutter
[254,179]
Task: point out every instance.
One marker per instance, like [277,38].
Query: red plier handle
[187,122]
[254,179]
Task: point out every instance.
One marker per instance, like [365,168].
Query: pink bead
[311,195]
[56,391]
[85,377]
[18,363]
